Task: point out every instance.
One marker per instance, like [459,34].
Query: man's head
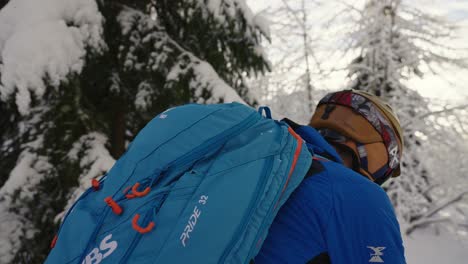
[364,130]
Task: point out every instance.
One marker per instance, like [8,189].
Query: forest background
[80,78]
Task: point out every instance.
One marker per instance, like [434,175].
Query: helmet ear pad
[376,155]
[344,150]
[358,130]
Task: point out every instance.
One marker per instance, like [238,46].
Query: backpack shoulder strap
[316,167]
[319,157]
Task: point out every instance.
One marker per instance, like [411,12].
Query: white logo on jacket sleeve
[376,255]
[98,254]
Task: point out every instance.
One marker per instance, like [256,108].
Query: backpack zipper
[297,152]
[82,196]
[180,162]
[137,237]
[187,158]
[184,160]
[278,196]
[207,145]
[261,185]
[95,231]
[252,118]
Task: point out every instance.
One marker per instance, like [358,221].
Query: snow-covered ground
[428,248]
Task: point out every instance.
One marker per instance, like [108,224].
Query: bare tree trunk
[3,3]
[306,55]
[302,22]
[389,11]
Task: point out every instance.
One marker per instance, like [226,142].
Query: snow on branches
[396,42]
[204,80]
[94,161]
[42,42]
[31,167]
[171,59]
[80,78]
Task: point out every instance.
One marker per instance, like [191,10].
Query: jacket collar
[315,142]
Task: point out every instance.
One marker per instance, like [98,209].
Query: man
[339,214]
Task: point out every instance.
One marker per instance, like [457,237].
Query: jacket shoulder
[362,219]
[354,190]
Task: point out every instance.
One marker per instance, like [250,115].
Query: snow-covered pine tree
[396,42]
[79,78]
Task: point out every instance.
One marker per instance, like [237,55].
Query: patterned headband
[365,107]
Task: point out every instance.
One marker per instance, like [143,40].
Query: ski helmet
[365,125]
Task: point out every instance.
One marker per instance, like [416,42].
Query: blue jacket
[335,216]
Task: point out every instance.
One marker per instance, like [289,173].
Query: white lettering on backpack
[106,248]
[193,219]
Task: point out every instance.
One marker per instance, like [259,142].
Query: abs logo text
[106,248]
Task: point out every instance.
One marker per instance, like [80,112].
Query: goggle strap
[382,175]
[362,156]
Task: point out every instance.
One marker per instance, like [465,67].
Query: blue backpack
[199,184]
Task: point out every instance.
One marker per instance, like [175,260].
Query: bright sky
[452,85]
